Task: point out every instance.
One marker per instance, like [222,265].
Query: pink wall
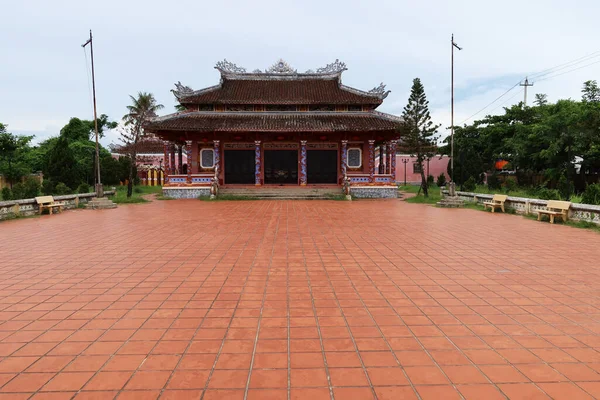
[436,167]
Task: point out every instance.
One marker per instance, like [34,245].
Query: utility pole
[453,45]
[526,84]
[99,191]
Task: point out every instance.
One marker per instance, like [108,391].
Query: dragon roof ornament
[380,91]
[335,67]
[227,66]
[181,90]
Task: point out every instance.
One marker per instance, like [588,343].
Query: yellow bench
[555,208]
[47,202]
[497,202]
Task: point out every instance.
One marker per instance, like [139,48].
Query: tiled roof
[145,146]
[280,91]
[275,122]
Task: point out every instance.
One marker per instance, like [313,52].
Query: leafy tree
[541,99]
[418,129]
[60,164]
[81,129]
[142,108]
[591,92]
[13,159]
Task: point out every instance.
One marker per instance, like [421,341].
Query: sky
[149,45]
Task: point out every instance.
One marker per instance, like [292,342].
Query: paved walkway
[297,300]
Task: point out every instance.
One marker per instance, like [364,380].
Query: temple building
[279,127]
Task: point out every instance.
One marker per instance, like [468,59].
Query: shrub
[61,189]
[32,187]
[591,195]
[83,188]
[430,180]
[137,190]
[548,194]
[6,194]
[510,186]
[441,180]
[469,184]
[47,187]
[493,182]
[565,188]
[18,191]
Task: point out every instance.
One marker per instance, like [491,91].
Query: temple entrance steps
[283,192]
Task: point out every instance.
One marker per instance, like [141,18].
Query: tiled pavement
[297,300]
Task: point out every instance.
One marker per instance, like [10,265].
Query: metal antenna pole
[99,191]
[452,46]
[526,84]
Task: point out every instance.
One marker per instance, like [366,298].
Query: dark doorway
[281,166]
[321,166]
[239,167]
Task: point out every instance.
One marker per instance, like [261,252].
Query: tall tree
[13,154]
[418,129]
[142,108]
[541,99]
[61,164]
[591,92]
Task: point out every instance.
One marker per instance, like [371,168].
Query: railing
[196,180]
[366,179]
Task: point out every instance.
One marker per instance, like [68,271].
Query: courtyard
[297,300]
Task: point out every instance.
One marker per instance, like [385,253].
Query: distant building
[435,166]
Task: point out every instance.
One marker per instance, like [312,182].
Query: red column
[303,171]
[371,160]
[393,164]
[172,161]
[166,162]
[257,162]
[388,164]
[188,149]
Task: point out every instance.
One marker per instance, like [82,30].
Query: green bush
[510,186]
[565,187]
[548,194]
[493,182]
[61,189]
[47,187]
[138,190]
[18,191]
[441,180]
[32,187]
[430,180]
[83,188]
[469,184]
[6,194]
[591,195]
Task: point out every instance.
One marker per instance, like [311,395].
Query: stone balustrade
[24,207]
[523,205]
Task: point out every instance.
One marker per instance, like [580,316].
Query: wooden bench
[497,202]
[555,208]
[47,202]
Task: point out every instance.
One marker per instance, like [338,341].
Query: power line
[497,98]
[566,72]
[566,65]
[508,100]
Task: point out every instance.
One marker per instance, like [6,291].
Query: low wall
[523,205]
[374,192]
[25,207]
[186,192]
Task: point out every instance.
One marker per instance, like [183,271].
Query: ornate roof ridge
[378,91]
[369,113]
[279,68]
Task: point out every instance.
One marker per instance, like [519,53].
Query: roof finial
[281,67]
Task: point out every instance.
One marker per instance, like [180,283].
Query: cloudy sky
[148,45]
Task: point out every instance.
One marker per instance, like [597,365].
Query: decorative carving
[344,159]
[281,67]
[257,71]
[188,151]
[181,90]
[257,162]
[334,68]
[217,164]
[380,91]
[228,66]
[280,146]
[372,160]
[303,170]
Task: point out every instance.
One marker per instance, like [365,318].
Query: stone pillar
[217,157]
[344,158]
[393,160]
[188,149]
[381,169]
[166,162]
[257,162]
[172,160]
[371,160]
[303,177]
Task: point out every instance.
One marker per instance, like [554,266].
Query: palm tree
[143,107]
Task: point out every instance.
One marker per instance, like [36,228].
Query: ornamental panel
[280,146]
[322,146]
[207,158]
[354,158]
[238,146]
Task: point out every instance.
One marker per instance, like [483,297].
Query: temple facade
[279,127]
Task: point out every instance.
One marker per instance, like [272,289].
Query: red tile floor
[297,300]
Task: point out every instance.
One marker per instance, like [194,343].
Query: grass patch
[336,197]
[161,197]
[415,188]
[120,196]
[434,198]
